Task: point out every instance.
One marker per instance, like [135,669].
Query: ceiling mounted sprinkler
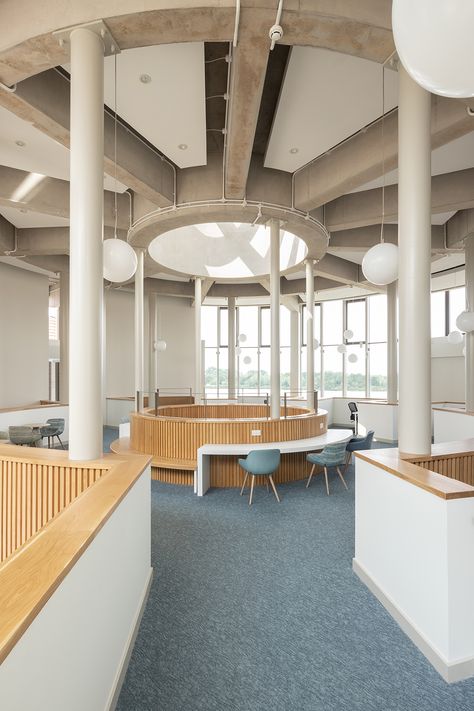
[276,31]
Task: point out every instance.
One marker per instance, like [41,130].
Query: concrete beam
[43,100]
[363,238]
[298,286]
[50,196]
[337,269]
[7,235]
[248,69]
[360,159]
[459,227]
[51,263]
[38,241]
[449,191]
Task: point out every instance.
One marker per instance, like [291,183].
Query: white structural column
[414,241]
[231,338]
[139,324]
[310,332]
[86,232]
[64,336]
[197,339]
[294,352]
[153,338]
[392,345]
[275,318]
[470,336]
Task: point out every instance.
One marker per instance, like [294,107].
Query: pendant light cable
[383,154]
[115,147]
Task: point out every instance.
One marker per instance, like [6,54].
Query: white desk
[203,474]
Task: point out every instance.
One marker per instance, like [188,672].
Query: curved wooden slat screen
[33,491]
[178,432]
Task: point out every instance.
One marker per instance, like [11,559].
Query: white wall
[176,327]
[72,654]
[413,550]
[24,344]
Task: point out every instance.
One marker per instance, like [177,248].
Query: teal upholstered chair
[260,462]
[21,434]
[53,428]
[358,443]
[333,455]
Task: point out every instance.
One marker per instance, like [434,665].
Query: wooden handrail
[410,470]
[31,575]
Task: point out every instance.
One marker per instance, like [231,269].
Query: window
[53,323]
[457,304]
[377,346]
[438,314]
[216,353]
[445,308]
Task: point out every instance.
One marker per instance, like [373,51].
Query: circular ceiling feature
[224,250]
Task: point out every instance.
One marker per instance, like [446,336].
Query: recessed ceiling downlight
[182,146]
[21,144]
[294,150]
[145,78]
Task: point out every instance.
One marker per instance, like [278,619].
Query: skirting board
[450,672]
[123,666]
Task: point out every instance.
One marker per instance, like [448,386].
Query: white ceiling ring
[312,233]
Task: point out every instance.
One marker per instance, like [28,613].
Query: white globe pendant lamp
[380,264]
[342,348]
[120,260]
[247,360]
[316,344]
[348,334]
[465,321]
[352,358]
[455,338]
[434,43]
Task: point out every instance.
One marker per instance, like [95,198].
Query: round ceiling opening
[224,250]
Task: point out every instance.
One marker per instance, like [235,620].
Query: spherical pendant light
[434,43]
[455,337]
[342,348]
[465,321]
[160,345]
[247,360]
[242,338]
[348,334]
[352,358]
[315,344]
[380,264]
[120,260]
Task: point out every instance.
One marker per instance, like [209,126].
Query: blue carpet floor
[257,609]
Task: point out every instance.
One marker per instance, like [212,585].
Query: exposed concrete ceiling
[269,104]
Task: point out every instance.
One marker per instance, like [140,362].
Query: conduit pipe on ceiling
[9,89]
[236,25]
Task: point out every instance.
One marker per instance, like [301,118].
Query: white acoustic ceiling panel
[161,94]
[24,147]
[326,97]
[27,218]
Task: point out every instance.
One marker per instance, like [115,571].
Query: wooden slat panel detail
[180,438]
[459,467]
[33,493]
[172,476]
[226,472]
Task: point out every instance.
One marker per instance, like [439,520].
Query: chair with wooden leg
[260,462]
[333,455]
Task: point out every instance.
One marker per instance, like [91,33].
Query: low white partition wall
[71,598]
[452,424]
[34,415]
[414,546]
[382,417]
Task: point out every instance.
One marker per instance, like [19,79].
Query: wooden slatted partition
[459,466]
[34,491]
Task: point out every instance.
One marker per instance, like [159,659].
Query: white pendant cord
[115,147]
[383,154]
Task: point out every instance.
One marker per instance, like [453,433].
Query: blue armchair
[260,462]
[333,455]
[358,443]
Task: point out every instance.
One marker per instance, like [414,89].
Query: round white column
[469,247]
[392,345]
[64,336]
[139,324]
[275,318]
[86,230]
[414,241]
[197,339]
[231,346]
[295,352]
[310,332]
